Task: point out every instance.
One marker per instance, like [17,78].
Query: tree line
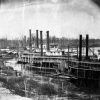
[62,42]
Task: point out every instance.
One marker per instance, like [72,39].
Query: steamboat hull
[85,73]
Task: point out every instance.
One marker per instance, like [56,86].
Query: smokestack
[37,40]
[48,41]
[24,41]
[80,47]
[30,42]
[87,46]
[41,43]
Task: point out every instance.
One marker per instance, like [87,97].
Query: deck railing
[85,69]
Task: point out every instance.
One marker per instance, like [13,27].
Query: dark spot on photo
[97,2]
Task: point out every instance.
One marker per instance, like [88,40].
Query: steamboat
[85,71]
[46,59]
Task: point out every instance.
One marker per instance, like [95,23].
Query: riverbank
[5,94]
[31,86]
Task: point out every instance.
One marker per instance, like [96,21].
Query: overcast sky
[67,18]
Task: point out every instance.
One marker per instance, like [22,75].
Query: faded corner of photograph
[49,49]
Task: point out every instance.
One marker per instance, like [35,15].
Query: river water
[65,90]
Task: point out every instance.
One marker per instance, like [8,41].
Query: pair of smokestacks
[80,47]
[41,41]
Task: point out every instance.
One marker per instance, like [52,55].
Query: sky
[63,18]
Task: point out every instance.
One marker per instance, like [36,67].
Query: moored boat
[85,71]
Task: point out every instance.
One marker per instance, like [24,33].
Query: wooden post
[62,85]
[68,52]
[25,84]
[68,60]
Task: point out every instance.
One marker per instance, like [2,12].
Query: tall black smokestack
[37,40]
[87,46]
[80,47]
[48,41]
[30,42]
[41,43]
